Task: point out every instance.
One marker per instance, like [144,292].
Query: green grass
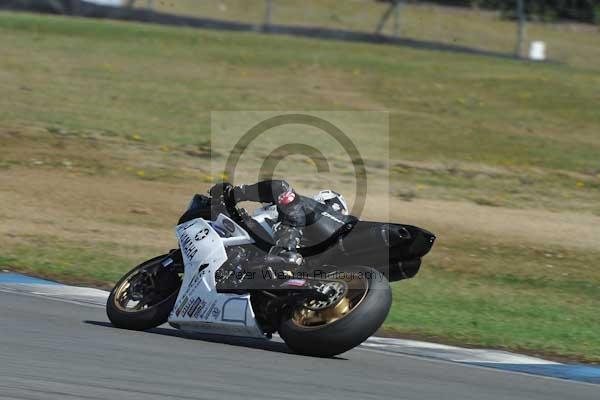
[497,312]
[551,190]
[102,99]
[95,263]
[493,294]
[161,83]
[576,44]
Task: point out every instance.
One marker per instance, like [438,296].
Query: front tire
[150,315]
[348,331]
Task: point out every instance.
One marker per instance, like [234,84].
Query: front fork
[173,262]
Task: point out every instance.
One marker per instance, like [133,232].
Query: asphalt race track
[57,350]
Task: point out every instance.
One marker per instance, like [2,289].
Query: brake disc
[333,291]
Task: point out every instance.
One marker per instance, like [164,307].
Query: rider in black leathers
[321,232]
[296,213]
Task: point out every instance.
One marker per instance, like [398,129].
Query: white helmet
[332,199]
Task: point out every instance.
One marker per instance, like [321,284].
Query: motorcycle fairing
[199,308]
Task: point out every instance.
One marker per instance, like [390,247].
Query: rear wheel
[359,306]
[144,297]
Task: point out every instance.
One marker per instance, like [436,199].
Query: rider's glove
[281,257]
[220,189]
[229,193]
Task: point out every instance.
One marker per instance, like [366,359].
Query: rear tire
[143,319]
[348,332]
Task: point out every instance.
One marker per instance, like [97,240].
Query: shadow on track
[268,345]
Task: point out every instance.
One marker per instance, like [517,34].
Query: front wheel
[144,297]
[322,330]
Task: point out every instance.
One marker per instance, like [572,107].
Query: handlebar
[231,207]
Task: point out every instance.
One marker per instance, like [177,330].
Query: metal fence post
[520,27]
[268,13]
[394,8]
[397,13]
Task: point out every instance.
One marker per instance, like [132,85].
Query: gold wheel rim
[123,299]
[122,294]
[356,291]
